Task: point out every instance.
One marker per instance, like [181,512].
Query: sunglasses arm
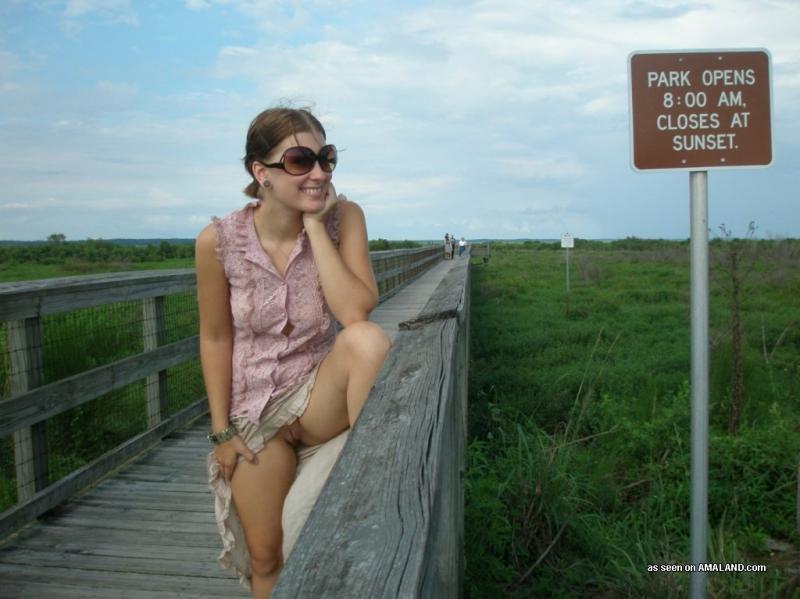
[272,165]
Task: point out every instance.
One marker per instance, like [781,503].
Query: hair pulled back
[268,130]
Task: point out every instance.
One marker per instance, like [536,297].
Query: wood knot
[421,321]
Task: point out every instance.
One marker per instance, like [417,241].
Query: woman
[271,279]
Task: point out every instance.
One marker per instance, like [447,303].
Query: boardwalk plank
[113,582]
[89,534]
[180,553]
[44,558]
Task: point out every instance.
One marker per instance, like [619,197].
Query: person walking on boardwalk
[462,245]
[448,248]
[271,279]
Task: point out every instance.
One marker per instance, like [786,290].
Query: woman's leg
[343,383]
[258,493]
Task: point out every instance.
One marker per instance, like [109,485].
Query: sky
[482,118]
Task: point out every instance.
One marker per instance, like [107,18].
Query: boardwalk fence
[138,333]
[389,521]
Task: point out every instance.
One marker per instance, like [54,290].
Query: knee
[265,560]
[367,338]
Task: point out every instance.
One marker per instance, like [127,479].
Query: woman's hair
[269,129]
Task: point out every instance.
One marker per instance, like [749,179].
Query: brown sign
[700,110]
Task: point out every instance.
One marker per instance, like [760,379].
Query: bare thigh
[326,414]
[343,382]
[259,491]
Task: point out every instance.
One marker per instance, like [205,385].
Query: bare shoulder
[349,212]
[206,239]
[205,247]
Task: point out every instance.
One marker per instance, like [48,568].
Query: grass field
[579,449]
[29,271]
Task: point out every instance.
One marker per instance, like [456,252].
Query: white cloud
[109,11]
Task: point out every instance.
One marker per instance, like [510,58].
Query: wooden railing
[31,403]
[389,521]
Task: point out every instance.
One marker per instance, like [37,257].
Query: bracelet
[225,434]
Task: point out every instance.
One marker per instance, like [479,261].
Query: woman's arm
[216,346]
[346,275]
[216,332]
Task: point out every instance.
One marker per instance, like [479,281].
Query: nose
[318,174]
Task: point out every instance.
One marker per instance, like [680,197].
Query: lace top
[282,325]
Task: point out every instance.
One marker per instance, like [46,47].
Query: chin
[313,205]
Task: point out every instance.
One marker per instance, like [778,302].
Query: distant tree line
[634,243]
[376,245]
[59,251]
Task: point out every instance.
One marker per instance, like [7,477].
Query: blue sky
[483,118]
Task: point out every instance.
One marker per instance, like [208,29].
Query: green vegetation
[63,259]
[579,420]
[59,258]
[379,244]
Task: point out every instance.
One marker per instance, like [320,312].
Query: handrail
[389,520]
[31,403]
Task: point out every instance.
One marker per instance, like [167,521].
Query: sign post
[700,110]
[567,243]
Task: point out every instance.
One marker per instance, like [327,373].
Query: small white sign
[567,241]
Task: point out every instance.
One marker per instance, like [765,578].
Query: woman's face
[305,193]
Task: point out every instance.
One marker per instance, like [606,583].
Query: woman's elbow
[353,316]
[358,313]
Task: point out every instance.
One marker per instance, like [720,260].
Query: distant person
[448,248]
[462,245]
[452,246]
[272,278]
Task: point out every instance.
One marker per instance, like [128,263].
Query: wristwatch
[225,434]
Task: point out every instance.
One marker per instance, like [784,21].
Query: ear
[259,172]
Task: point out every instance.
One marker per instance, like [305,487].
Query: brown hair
[269,129]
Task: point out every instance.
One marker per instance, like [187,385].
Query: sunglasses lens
[328,158]
[298,160]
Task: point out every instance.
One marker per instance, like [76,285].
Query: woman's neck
[277,222]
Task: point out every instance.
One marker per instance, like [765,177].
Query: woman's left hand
[330,201]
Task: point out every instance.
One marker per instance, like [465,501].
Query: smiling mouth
[311,191]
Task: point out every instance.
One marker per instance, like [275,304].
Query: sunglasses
[299,160]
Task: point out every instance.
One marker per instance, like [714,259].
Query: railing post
[26,373]
[155,335]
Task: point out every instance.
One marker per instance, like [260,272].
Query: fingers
[330,201]
[227,457]
[248,455]
[227,471]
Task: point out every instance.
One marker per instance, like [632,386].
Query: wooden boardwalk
[148,530]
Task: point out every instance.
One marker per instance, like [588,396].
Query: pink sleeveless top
[264,305]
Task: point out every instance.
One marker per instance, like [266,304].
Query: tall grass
[579,451]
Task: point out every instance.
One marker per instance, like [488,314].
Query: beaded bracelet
[225,434]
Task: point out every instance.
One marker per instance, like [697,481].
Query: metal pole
[567,270]
[698,186]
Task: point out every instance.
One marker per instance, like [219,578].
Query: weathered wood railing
[30,402]
[389,521]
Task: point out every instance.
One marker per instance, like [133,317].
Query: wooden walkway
[148,530]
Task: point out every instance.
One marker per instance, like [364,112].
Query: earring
[265,184]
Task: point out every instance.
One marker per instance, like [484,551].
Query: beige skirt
[279,412]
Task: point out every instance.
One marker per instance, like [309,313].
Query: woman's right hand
[227,455]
